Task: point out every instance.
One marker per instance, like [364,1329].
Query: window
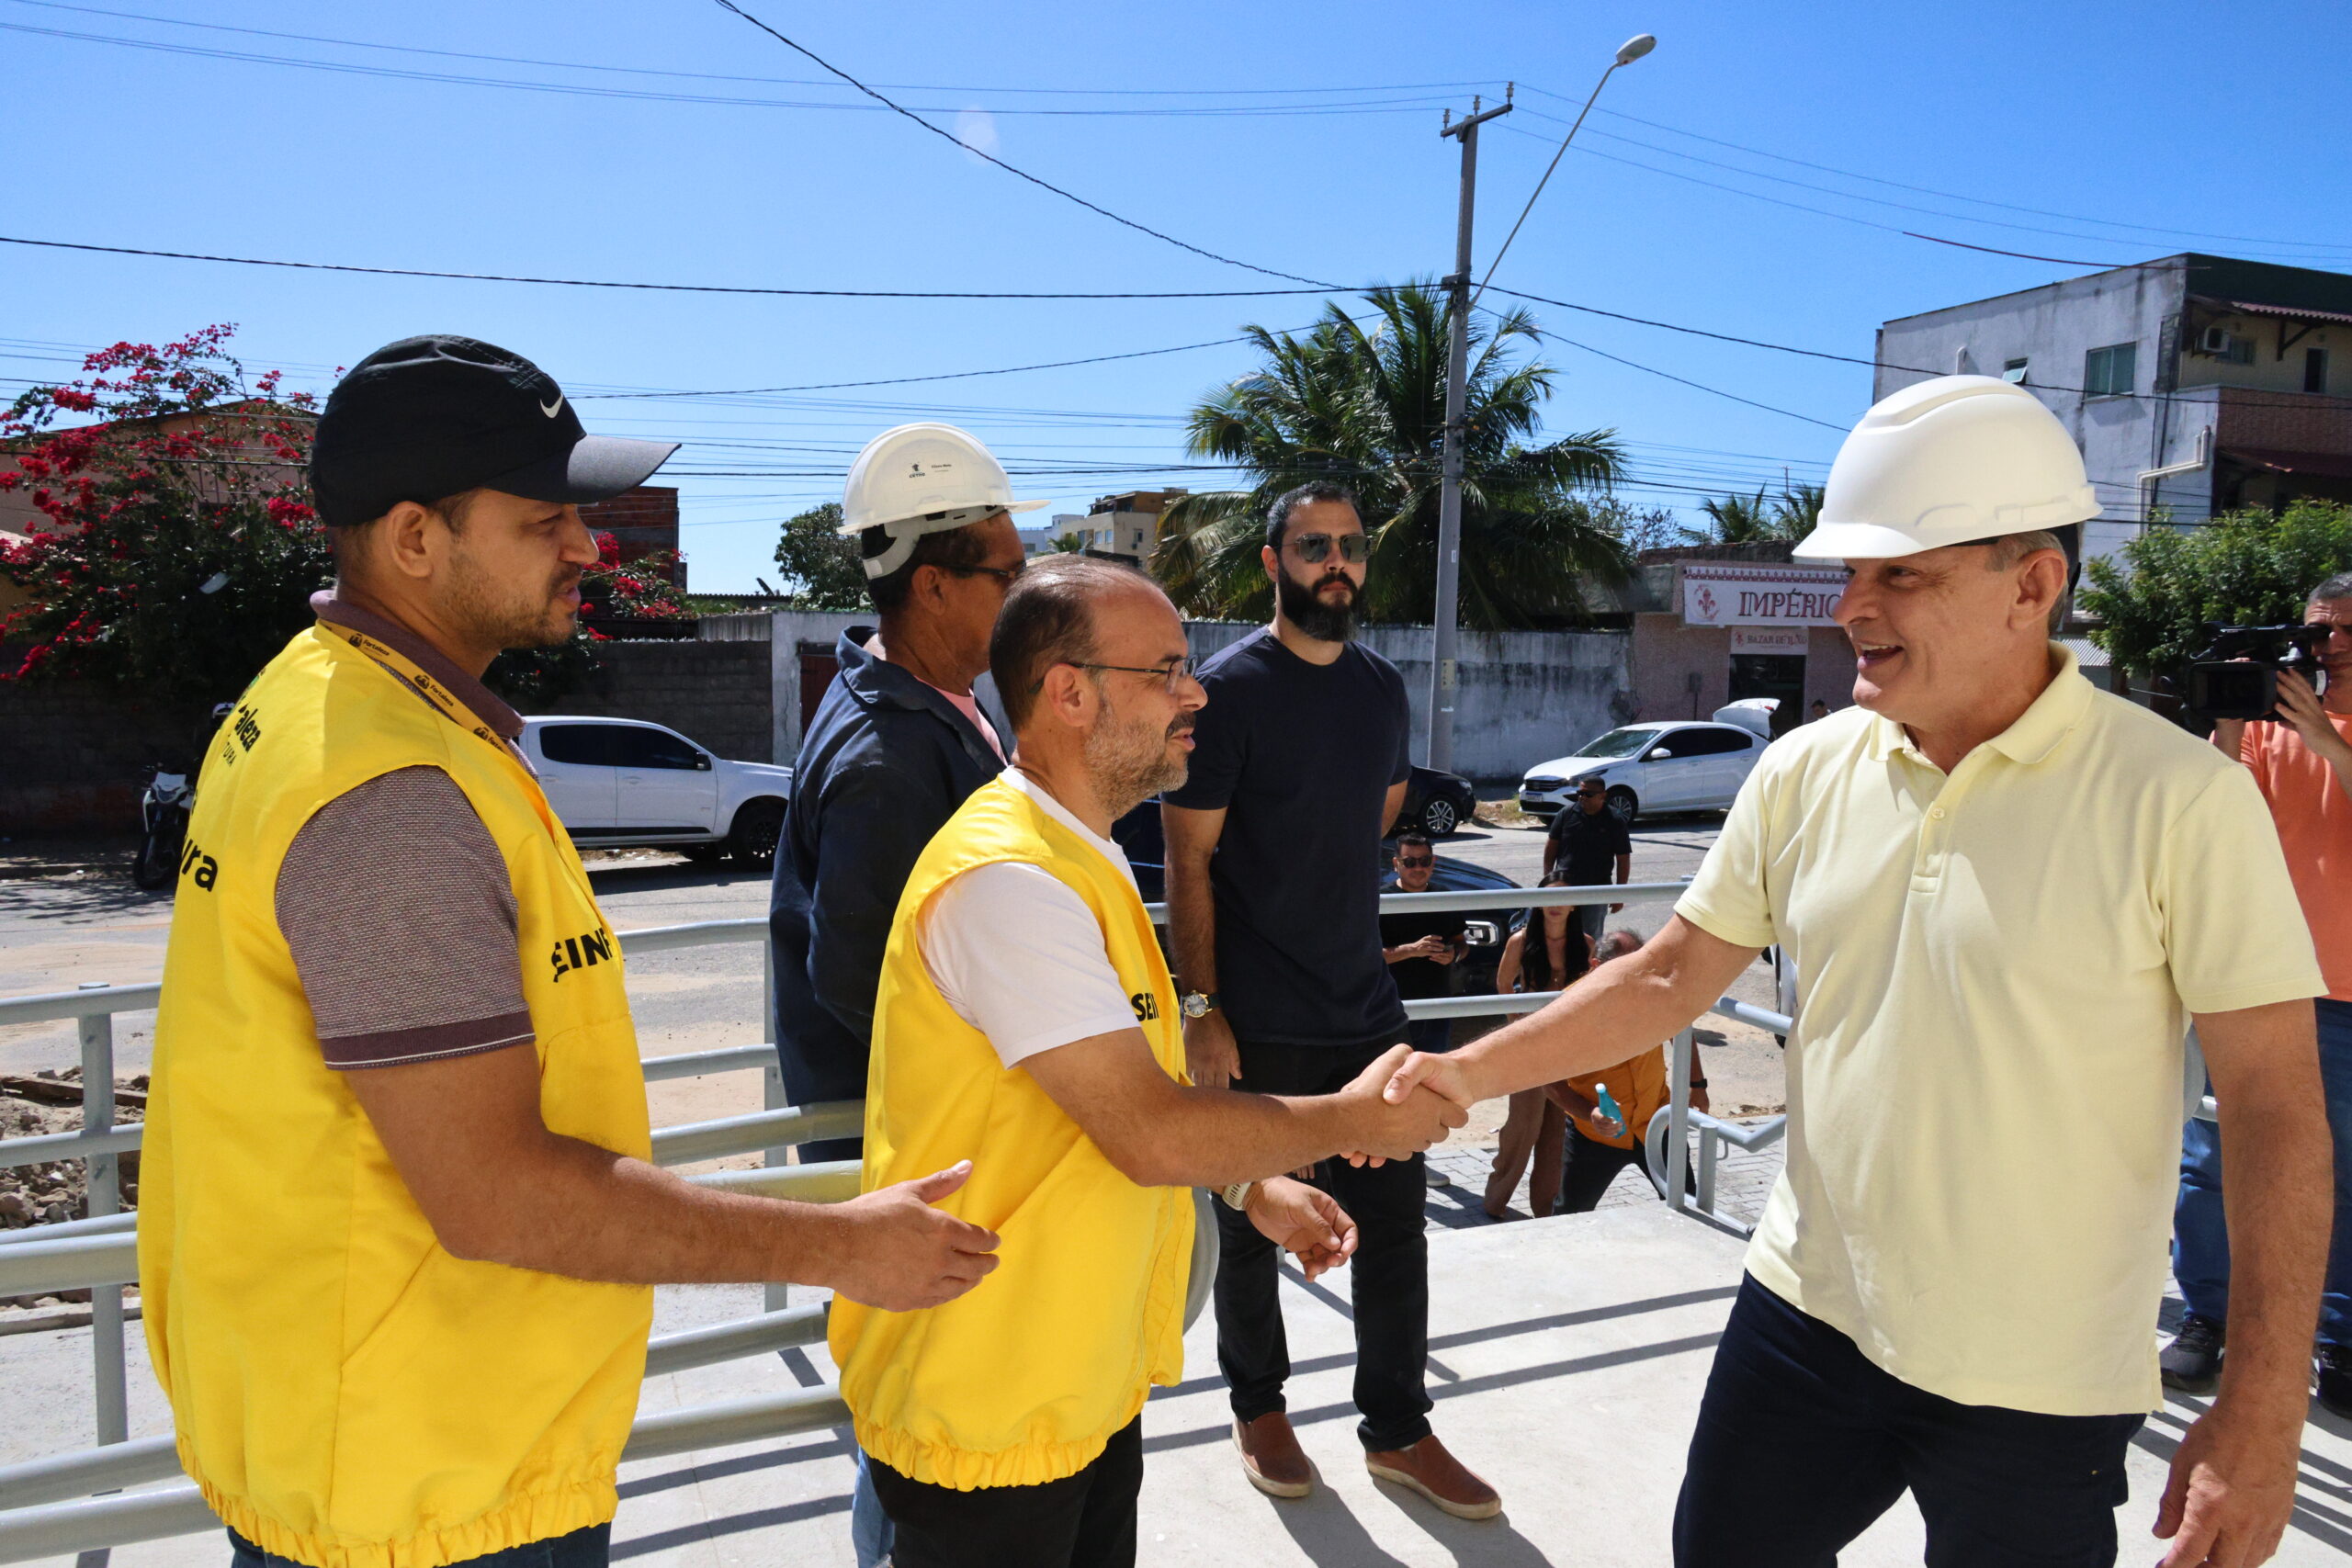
[2014,372]
[579,745]
[1617,744]
[2314,370]
[642,746]
[2109,372]
[1708,742]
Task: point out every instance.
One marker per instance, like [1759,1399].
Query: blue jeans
[2200,1250]
[589,1547]
[1801,1442]
[871,1536]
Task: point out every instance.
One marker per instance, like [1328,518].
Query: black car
[1437,802]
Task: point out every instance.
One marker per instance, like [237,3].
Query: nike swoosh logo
[553,409]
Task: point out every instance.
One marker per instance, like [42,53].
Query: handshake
[1401,1104]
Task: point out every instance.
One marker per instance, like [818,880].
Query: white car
[1665,766]
[621,782]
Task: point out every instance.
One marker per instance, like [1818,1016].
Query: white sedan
[1665,766]
[623,782]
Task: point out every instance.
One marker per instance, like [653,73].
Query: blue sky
[2135,129]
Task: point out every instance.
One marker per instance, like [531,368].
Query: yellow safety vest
[346,1392]
[1026,1378]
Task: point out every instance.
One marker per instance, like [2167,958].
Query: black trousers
[1593,1166]
[1087,1520]
[1802,1441]
[1389,1277]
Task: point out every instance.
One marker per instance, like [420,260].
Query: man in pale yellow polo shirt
[2006,894]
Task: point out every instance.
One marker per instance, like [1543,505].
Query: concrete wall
[715,693]
[78,759]
[1524,696]
[1666,654]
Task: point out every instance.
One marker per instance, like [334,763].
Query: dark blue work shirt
[882,764]
[1300,758]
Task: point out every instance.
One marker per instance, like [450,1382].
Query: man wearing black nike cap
[401,1219]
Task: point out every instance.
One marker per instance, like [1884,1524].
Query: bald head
[1051,616]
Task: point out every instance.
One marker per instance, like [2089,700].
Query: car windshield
[1618,743]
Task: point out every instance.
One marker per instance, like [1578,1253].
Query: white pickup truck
[619,783]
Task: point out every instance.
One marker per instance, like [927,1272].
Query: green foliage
[1752,519]
[1367,408]
[1070,545]
[822,567]
[2251,566]
[177,549]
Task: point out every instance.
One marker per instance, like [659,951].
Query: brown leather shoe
[1271,1457]
[1436,1474]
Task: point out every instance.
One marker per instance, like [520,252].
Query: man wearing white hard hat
[895,746]
[2005,895]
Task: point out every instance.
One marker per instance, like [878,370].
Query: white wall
[1524,697]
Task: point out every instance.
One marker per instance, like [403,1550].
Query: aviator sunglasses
[1315,548]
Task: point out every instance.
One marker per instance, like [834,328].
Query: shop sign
[1770,639]
[1760,595]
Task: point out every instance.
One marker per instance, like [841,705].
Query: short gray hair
[2337,587]
[2010,548]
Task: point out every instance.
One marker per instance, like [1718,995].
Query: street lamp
[1443,682]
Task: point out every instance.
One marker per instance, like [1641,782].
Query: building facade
[1718,623]
[2193,384]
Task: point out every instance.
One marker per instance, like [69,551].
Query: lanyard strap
[407,670]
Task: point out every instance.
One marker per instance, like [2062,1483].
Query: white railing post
[778,1295]
[1677,1127]
[103,1182]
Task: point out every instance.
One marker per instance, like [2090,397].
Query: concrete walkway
[1567,1358]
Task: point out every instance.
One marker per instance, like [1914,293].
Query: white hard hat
[1949,461]
[923,478]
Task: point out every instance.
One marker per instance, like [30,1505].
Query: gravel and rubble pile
[33,1106]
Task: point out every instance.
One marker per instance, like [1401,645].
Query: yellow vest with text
[346,1392]
[1026,1377]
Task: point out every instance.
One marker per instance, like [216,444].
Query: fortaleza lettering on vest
[345,1391]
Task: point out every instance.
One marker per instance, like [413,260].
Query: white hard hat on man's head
[1949,461]
[923,478]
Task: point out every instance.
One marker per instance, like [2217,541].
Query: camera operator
[2302,761]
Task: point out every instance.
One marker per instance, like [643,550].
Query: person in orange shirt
[2302,762]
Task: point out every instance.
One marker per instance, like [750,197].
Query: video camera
[2237,675]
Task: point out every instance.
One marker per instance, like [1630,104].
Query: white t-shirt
[1017,954]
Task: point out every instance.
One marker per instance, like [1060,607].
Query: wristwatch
[1236,1197]
[1198,1004]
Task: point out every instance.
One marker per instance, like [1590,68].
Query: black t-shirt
[1586,844]
[1418,977]
[1300,757]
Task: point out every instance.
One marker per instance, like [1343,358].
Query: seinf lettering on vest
[1026,1377]
[346,1392]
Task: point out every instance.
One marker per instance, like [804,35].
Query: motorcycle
[163,811]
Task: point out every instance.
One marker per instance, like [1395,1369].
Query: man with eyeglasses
[1590,844]
[1273,893]
[896,744]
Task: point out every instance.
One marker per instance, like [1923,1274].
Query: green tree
[1366,407]
[1753,519]
[821,566]
[2248,568]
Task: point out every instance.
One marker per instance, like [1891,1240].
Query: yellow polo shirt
[1995,972]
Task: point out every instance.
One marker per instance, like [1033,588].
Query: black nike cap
[427,418]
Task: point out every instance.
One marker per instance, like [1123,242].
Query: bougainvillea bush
[176,548]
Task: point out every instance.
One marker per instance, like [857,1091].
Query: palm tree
[1367,408]
[1751,519]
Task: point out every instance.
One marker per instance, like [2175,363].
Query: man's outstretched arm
[1609,1015]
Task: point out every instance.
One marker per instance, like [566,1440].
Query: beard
[508,615]
[1130,762]
[1303,606]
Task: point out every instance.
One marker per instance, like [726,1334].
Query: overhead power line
[907,380]
[1042,185]
[687,288]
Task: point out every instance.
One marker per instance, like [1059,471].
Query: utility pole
[1443,678]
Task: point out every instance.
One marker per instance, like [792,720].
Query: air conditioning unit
[2225,344]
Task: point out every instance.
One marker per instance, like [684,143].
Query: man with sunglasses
[1420,949]
[1589,844]
[893,748]
[1274,892]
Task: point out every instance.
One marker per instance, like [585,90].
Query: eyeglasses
[1418,864]
[1312,547]
[1008,575]
[1172,675]
[1591,794]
